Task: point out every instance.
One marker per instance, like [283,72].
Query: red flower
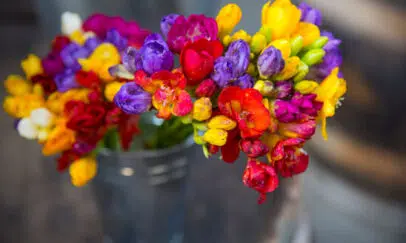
[254,148]
[246,107]
[87,120]
[197,59]
[87,79]
[59,43]
[127,128]
[206,88]
[47,83]
[288,157]
[66,158]
[260,177]
[231,150]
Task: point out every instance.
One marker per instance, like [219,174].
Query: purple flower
[91,43]
[66,80]
[53,64]
[130,59]
[333,43]
[167,22]
[284,89]
[132,99]
[299,108]
[245,81]
[81,147]
[310,14]
[270,62]
[71,53]
[239,53]
[115,38]
[223,71]
[153,56]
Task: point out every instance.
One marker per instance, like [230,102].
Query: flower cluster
[262,94]
[65,100]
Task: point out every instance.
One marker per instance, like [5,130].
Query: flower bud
[313,57]
[82,171]
[290,70]
[270,62]
[132,99]
[303,130]
[266,88]
[202,109]
[319,43]
[241,35]
[267,32]
[167,22]
[16,85]
[283,89]
[302,71]
[296,45]
[309,32]
[282,45]
[245,81]
[222,122]
[216,136]
[254,148]
[32,66]
[227,18]
[306,86]
[206,88]
[238,52]
[42,117]
[258,43]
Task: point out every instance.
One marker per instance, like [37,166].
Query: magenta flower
[167,22]
[299,108]
[307,103]
[191,29]
[302,129]
[283,89]
[52,64]
[254,148]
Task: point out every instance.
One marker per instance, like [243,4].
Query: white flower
[27,129]
[71,22]
[41,117]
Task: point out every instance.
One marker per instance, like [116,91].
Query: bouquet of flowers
[262,94]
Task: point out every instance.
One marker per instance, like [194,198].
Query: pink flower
[191,29]
[254,148]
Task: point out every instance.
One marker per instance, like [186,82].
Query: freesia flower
[21,106]
[330,92]
[60,139]
[283,89]
[245,106]
[71,53]
[46,82]
[112,89]
[309,14]
[288,157]
[27,129]
[114,37]
[202,109]
[308,31]
[17,85]
[282,17]
[103,57]
[192,29]
[82,171]
[32,66]
[197,59]
[167,22]
[300,129]
[206,88]
[260,177]
[254,147]
[71,22]
[298,108]
[270,62]
[227,18]
[57,100]
[132,99]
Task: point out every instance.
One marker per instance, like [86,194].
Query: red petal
[231,150]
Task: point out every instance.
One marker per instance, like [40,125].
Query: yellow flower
[17,85]
[282,17]
[202,109]
[227,18]
[306,86]
[241,35]
[111,90]
[82,171]
[56,101]
[216,136]
[309,32]
[329,92]
[290,69]
[282,45]
[258,43]
[31,66]
[21,106]
[78,37]
[103,57]
[222,122]
[59,139]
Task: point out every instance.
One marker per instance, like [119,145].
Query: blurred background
[353,191]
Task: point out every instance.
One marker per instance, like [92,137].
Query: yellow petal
[290,69]
[216,137]
[111,90]
[227,18]
[31,66]
[202,109]
[308,31]
[17,85]
[306,86]
[82,171]
[59,139]
[283,45]
[241,35]
[222,122]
